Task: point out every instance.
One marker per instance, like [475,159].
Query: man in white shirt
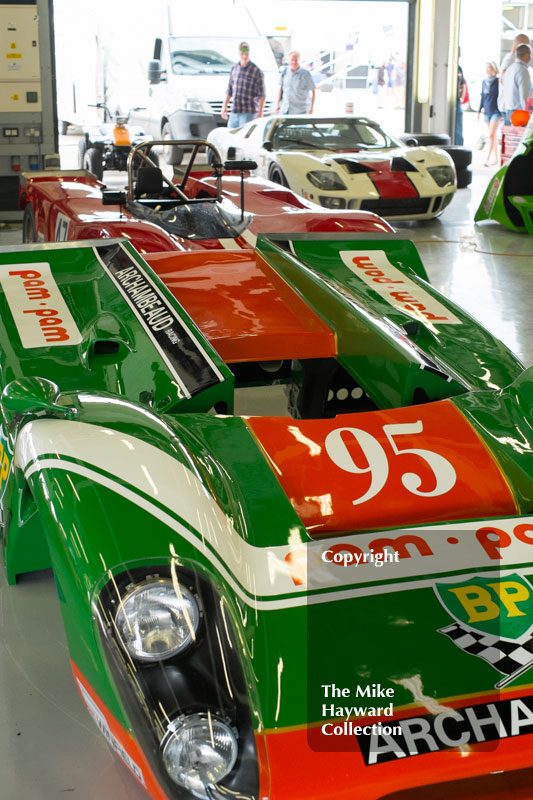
[516,83]
[297,90]
[520,38]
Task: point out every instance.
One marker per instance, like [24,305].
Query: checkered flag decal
[505,656]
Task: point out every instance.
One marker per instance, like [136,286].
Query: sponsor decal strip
[187,360]
[119,739]
[279,572]
[460,727]
[40,313]
[374,268]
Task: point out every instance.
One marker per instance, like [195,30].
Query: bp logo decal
[493,621]
[5,461]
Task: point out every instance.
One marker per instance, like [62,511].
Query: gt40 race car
[249,607]
[347,162]
[199,211]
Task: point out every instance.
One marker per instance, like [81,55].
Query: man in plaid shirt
[246,87]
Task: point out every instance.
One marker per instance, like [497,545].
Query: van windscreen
[199,56]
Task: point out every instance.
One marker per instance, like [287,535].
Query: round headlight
[199,750]
[156,620]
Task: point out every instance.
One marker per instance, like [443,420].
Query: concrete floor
[50,747]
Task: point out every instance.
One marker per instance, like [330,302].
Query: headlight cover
[324,179]
[193,104]
[443,175]
[156,620]
[199,750]
[332,202]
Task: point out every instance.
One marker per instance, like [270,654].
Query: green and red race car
[336,603]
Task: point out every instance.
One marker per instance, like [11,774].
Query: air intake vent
[353,167]
[105,347]
[400,164]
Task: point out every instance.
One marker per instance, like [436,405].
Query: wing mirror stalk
[242,167]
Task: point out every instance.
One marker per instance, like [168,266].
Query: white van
[188,79]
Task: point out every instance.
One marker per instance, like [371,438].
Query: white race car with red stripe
[344,163]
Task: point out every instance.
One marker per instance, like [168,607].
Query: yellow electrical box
[19,59]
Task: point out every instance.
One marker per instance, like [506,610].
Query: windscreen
[334,134]
[199,56]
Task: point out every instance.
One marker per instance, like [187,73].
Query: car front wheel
[28,226]
[93,161]
[277,176]
[171,153]
[82,149]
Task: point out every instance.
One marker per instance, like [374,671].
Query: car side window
[370,136]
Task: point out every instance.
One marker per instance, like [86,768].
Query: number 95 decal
[377,461]
[383,469]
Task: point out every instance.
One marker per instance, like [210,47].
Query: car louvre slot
[353,167]
[398,207]
[399,164]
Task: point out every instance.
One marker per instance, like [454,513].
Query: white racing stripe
[249,237]
[265,572]
[230,244]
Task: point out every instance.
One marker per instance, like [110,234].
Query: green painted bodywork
[89,528]
[508,198]
[380,345]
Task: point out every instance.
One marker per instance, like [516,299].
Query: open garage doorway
[357,52]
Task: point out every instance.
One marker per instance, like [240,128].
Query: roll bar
[194,144]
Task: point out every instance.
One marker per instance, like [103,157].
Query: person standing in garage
[489,105]
[516,83]
[246,88]
[461,92]
[521,38]
[297,89]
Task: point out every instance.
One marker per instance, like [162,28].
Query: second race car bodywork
[199,211]
[508,198]
[249,610]
[347,162]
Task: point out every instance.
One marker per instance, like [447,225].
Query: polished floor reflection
[50,747]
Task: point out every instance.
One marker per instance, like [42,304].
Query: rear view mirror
[154,71]
[31,395]
[267,146]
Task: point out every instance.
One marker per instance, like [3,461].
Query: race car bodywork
[344,163]
[508,198]
[249,609]
[205,212]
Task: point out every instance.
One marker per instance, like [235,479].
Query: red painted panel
[391,185]
[382,469]
[245,310]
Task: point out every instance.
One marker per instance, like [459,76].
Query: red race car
[197,210]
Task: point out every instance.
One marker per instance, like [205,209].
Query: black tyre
[171,154]
[211,157]
[461,156]
[154,157]
[28,226]
[92,160]
[427,139]
[82,149]
[464,178]
[139,162]
[277,176]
